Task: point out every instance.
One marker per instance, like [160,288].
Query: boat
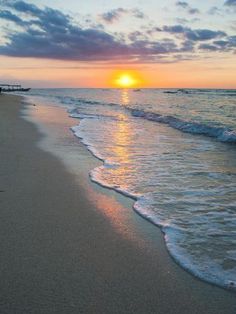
[170,92]
[25,89]
[12,88]
[184,91]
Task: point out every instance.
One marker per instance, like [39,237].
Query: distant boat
[137,90]
[12,88]
[183,91]
[25,89]
[170,92]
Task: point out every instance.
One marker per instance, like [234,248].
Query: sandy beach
[68,246]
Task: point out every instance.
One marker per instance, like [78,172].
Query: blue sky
[119,32]
[138,31]
[164,11]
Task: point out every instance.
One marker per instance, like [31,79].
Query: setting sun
[126,80]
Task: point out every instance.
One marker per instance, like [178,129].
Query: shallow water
[184,183]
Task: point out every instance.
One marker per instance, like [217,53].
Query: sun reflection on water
[125,97]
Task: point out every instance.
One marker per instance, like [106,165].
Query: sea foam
[221,133]
[203,266]
[183,184]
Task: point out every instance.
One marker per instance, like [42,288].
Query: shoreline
[176,257]
[62,254]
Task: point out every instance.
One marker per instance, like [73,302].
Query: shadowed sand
[60,253]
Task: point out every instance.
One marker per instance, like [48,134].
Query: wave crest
[223,134]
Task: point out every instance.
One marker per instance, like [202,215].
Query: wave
[73,113]
[171,233]
[222,134]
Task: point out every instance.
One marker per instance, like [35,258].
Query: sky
[77,43]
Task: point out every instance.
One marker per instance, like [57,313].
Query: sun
[126,80]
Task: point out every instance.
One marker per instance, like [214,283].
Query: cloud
[193,11]
[178,29]
[181,20]
[24,7]
[214,11]
[114,15]
[194,34]
[7,15]
[182,4]
[137,13]
[208,47]
[230,3]
[204,34]
[220,45]
[186,21]
[51,34]
[137,35]
[186,6]
[232,41]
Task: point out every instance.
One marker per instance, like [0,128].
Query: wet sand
[64,248]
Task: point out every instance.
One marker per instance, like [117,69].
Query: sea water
[174,152]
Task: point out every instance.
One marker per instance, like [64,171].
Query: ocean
[174,152]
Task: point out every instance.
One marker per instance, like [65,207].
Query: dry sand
[61,254]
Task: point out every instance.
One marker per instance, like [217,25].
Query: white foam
[207,269]
[221,133]
[184,185]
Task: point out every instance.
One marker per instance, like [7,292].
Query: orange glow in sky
[38,73]
[126,79]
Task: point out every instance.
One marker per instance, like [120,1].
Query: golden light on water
[125,97]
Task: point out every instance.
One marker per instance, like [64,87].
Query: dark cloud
[179,29]
[188,45]
[194,34]
[24,7]
[232,41]
[51,34]
[115,14]
[230,3]
[208,47]
[220,45]
[204,34]
[193,11]
[48,15]
[152,30]
[186,6]
[7,15]
[137,35]
[182,4]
